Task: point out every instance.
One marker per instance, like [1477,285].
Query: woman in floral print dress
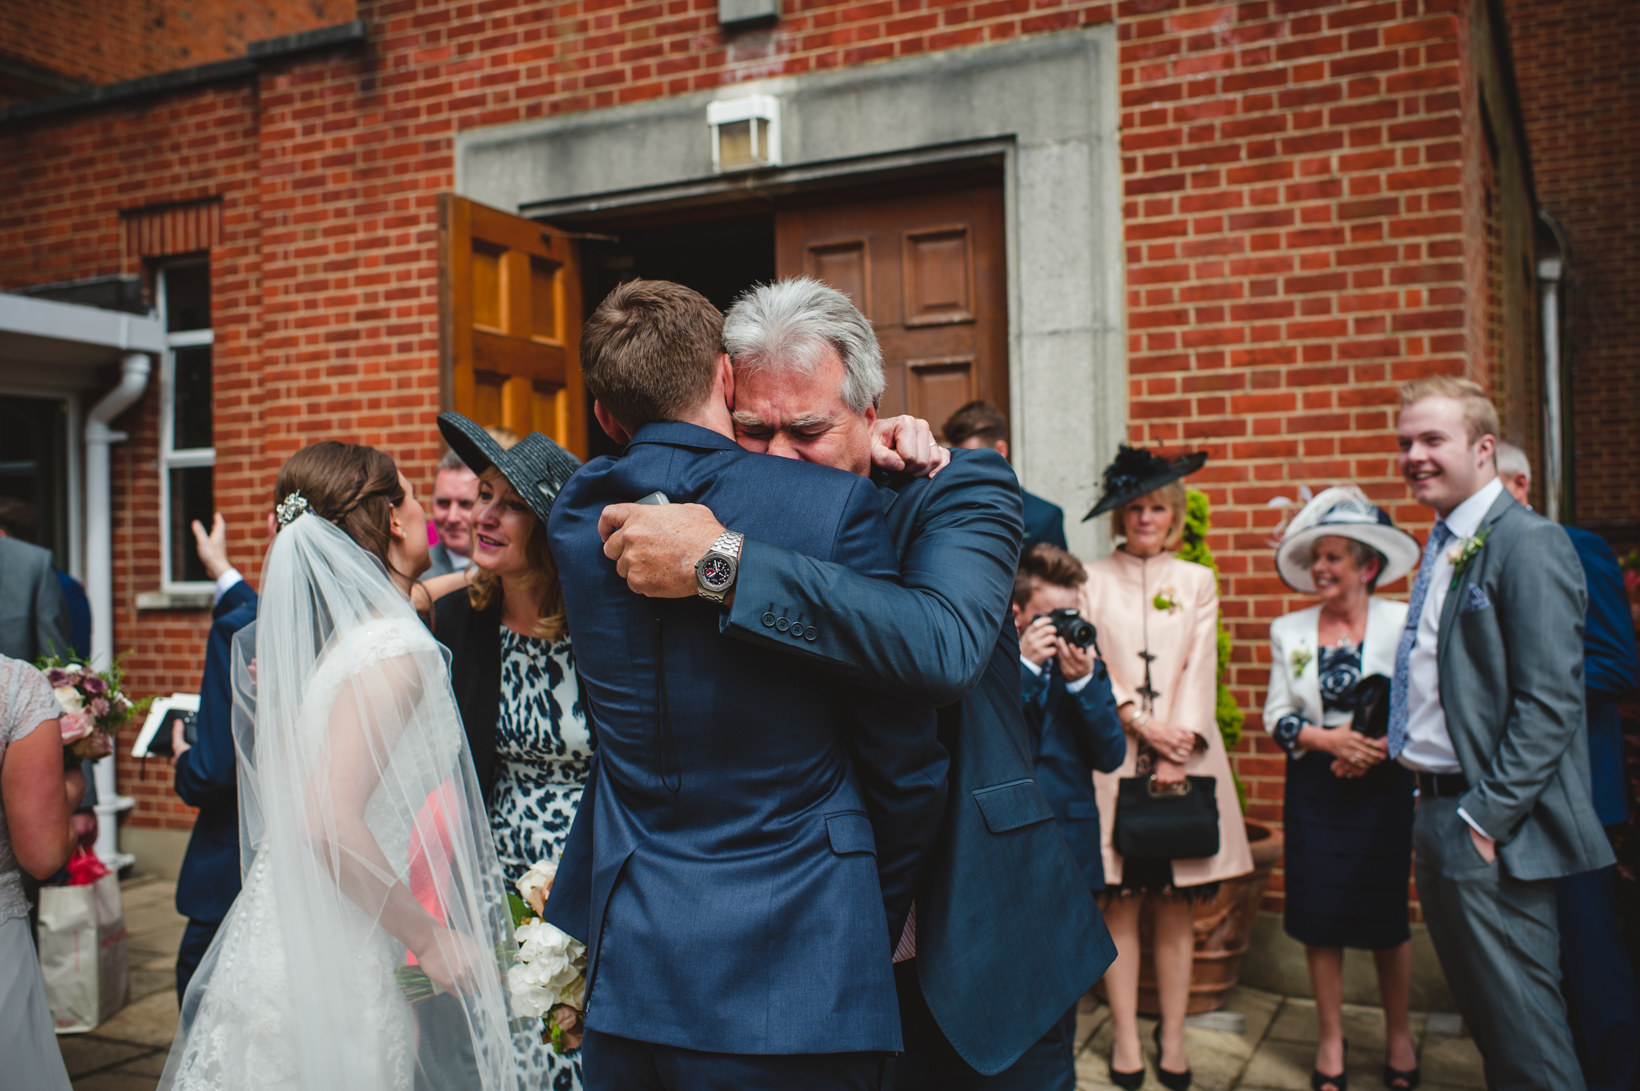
[514,672]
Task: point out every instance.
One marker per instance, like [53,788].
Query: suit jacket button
[782,624]
[797,630]
[811,634]
[768,621]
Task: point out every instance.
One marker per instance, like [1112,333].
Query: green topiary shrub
[1197,518]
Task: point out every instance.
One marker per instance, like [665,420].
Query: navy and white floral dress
[542,750]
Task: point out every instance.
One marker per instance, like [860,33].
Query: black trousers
[612,1063]
[196,938]
[929,1062]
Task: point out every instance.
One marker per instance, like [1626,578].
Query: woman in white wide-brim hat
[1348,811]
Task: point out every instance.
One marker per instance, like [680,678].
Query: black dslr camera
[1072,627]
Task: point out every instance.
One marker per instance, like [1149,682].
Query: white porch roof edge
[79,324]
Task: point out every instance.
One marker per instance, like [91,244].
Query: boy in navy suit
[1068,702]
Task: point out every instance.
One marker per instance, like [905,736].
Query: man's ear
[1486,449]
[1002,449]
[725,376]
[613,428]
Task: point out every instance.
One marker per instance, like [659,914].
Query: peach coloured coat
[1121,592]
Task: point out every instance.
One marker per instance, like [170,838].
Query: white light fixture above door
[745,133]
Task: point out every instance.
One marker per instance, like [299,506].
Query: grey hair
[1510,459]
[786,325]
[450,461]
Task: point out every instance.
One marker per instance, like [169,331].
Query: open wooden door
[930,272]
[510,322]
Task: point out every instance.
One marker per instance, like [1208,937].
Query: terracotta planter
[1222,926]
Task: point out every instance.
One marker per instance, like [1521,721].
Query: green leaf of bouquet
[521,911]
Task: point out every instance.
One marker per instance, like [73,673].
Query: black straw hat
[1137,472]
[535,466]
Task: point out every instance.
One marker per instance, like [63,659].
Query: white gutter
[99,572]
[79,324]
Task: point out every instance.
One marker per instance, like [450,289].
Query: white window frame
[169,457]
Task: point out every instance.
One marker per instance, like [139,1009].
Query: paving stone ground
[1274,1053]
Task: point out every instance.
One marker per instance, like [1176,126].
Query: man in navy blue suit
[755,830]
[1068,702]
[1601,995]
[981,424]
[206,775]
[1005,936]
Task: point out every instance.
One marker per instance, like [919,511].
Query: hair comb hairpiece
[289,508]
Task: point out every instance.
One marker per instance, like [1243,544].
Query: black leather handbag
[1157,823]
[1372,707]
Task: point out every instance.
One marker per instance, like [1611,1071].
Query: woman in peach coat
[1157,618]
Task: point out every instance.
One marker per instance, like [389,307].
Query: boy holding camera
[1067,697]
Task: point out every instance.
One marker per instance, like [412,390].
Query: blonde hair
[543,571]
[1480,416]
[1173,495]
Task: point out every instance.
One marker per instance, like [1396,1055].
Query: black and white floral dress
[542,750]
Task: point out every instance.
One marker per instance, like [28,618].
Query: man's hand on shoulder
[655,546]
[907,443]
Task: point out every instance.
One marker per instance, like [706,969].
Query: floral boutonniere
[1166,600]
[1463,552]
[1301,659]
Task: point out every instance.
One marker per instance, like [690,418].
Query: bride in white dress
[364,839]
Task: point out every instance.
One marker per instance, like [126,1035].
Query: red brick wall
[99,42]
[1294,208]
[1580,94]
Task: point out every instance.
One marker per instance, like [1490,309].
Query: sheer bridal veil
[363,841]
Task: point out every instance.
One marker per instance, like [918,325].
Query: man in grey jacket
[33,613]
[1487,709]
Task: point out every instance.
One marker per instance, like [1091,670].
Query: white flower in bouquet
[69,697]
[549,971]
[536,884]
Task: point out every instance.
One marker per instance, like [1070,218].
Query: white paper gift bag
[83,957]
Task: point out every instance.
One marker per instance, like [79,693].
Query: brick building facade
[1311,202]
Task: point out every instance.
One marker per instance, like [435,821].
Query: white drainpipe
[99,572]
[1553,441]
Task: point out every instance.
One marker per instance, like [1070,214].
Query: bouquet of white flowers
[94,707]
[548,977]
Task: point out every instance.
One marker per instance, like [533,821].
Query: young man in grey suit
[1487,709]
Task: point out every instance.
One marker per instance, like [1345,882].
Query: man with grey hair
[455,491]
[1603,1001]
[1004,936]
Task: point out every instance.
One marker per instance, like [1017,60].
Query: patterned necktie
[1438,537]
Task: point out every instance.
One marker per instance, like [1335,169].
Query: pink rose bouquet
[94,708]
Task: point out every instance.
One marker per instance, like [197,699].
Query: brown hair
[649,352]
[1480,416]
[1046,563]
[1172,494]
[543,571]
[978,419]
[353,486]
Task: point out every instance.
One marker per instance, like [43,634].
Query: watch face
[716,572]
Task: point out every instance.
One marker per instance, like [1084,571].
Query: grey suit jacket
[1511,669]
[441,561]
[33,613]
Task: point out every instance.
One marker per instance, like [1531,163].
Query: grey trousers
[1499,945]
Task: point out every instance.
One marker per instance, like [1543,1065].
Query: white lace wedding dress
[362,836]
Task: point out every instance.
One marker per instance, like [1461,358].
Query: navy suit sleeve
[929,640]
[1099,730]
[1611,667]
[206,774]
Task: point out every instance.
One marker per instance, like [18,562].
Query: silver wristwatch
[715,572]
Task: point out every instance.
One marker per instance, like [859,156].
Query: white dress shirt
[224,582]
[1429,745]
[1070,687]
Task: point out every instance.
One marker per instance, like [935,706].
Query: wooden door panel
[930,267]
[510,322]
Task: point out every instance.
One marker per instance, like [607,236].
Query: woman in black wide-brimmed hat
[513,669]
[1157,618]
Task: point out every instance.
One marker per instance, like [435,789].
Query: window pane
[190,499]
[193,398]
[188,297]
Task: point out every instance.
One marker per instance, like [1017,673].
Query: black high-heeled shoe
[1127,1081]
[1397,1080]
[1340,1082]
[1173,1081]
